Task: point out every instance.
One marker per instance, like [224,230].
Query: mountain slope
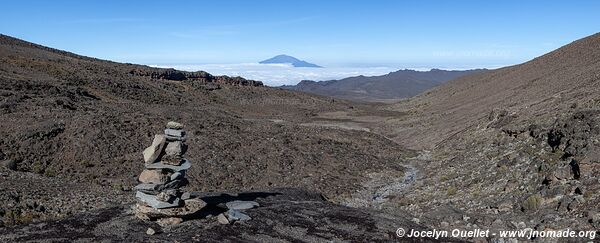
[72,130]
[392,86]
[515,144]
[285,59]
[541,88]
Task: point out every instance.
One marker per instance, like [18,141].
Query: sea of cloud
[282,74]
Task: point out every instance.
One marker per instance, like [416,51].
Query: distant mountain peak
[280,59]
[393,86]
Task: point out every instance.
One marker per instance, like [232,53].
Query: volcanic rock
[151,153]
[174,125]
[154,177]
[153,201]
[173,153]
[169,221]
[175,184]
[178,175]
[222,219]
[235,215]
[186,196]
[166,196]
[190,207]
[175,135]
[147,188]
[184,166]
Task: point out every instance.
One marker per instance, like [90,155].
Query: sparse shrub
[532,203]
[24,218]
[36,167]
[451,191]
[117,186]
[503,168]
[50,173]
[87,163]
[13,217]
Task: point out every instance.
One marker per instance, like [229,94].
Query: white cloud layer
[282,74]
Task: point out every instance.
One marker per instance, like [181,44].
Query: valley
[512,148]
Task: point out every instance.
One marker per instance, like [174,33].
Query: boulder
[154,177]
[241,205]
[152,153]
[150,231]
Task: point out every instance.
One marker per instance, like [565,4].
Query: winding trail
[381,185]
[396,186]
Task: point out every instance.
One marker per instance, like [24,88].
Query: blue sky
[335,33]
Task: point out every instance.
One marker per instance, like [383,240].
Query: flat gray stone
[186,196]
[183,166]
[151,153]
[174,133]
[152,201]
[176,184]
[148,188]
[234,215]
[172,138]
[178,175]
[241,205]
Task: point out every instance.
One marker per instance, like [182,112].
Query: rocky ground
[514,148]
[73,128]
[460,156]
[285,215]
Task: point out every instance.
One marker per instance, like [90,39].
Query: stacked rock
[160,195]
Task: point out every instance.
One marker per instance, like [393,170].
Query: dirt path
[382,184]
[397,186]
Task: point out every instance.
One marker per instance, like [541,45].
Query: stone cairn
[160,195]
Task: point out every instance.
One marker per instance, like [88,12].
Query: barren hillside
[69,120]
